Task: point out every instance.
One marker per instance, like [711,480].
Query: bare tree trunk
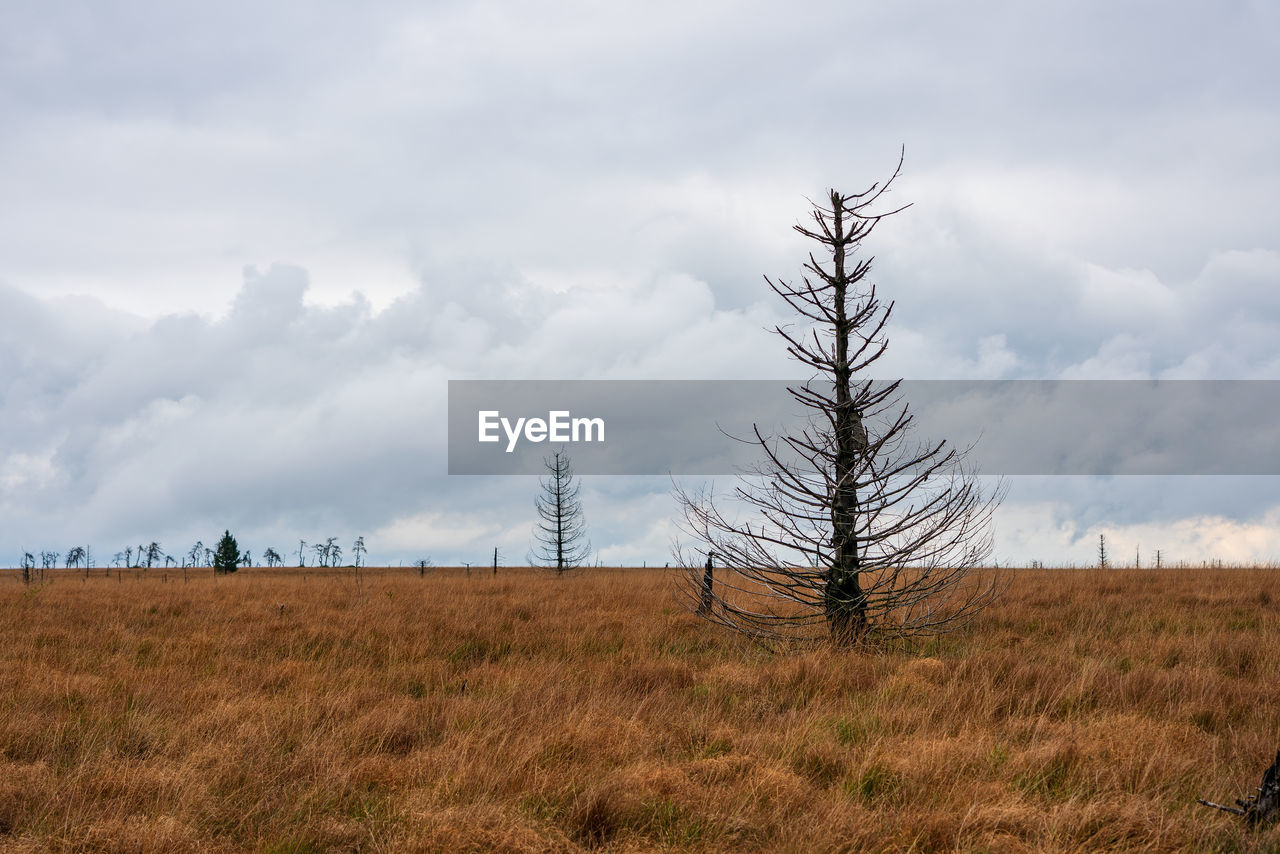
[708,588]
[559,526]
[844,603]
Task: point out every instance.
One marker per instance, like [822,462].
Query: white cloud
[286,419]
[1190,541]
[1123,357]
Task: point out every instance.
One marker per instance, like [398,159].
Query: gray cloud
[284,419]
[482,190]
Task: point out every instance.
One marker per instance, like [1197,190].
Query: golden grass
[268,712]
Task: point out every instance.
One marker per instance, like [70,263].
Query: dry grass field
[274,712]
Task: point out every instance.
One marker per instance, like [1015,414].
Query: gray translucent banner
[1013,427]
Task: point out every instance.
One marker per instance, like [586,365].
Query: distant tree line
[220,558]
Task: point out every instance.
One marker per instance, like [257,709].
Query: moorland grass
[278,711]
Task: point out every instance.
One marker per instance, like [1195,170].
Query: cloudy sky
[243,248]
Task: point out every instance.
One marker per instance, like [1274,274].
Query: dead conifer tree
[560,537]
[847,529]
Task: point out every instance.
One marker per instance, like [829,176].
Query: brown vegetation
[271,712]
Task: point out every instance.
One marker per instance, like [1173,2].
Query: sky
[243,248]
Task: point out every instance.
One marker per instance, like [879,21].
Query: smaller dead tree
[561,533]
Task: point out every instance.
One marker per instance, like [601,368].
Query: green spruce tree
[226,558]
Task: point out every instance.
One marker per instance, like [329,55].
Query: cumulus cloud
[288,420]
[284,420]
